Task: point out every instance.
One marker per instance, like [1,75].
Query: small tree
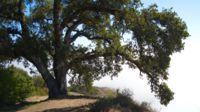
[15,85]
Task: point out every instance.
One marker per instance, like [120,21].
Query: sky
[184,78]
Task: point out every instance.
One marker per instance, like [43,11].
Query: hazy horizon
[184,78]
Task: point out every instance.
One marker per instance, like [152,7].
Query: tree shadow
[76,97]
[84,108]
[26,104]
[18,106]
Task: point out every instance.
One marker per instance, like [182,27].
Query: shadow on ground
[77,97]
[20,106]
[84,108]
[70,109]
[27,104]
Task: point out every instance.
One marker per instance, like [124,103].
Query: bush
[122,103]
[83,90]
[39,91]
[15,85]
[39,86]
[38,81]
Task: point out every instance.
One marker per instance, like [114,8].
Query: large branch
[89,7]
[153,81]
[9,30]
[56,21]
[89,56]
[23,19]
[90,37]
[94,54]
[7,13]
[8,17]
[57,58]
[58,65]
[100,8]
[105,53]
[41,66]
[13,31]
[127,57]
[43,69]
[70,30]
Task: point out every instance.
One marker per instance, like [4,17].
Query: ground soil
[58,105]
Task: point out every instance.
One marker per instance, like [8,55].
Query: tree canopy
[48,33]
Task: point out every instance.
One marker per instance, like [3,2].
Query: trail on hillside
[59,105]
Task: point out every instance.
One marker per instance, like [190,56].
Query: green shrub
[38,81]
[40,88]
[83,90]
[122,102]
[15,85]
[39,91]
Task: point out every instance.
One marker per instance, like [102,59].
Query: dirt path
[61,105]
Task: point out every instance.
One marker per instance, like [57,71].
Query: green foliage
[122,102]
[165,94]
[38,81]
[39,86]
[15,85]
[82,83]
[39,91]
[46,33]
[83,89]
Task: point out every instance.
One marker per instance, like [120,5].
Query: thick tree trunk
[62,85]
[53,89]
[57,85]
[60,75]
[50,81]
[58,65]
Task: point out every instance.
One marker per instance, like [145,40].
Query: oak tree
[91,38]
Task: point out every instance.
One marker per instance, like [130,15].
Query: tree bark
[58,65]
[57,85]
[60,75]
[53,89]
[61,83]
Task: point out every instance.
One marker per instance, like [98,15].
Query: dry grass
[36,98]
[57,105]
